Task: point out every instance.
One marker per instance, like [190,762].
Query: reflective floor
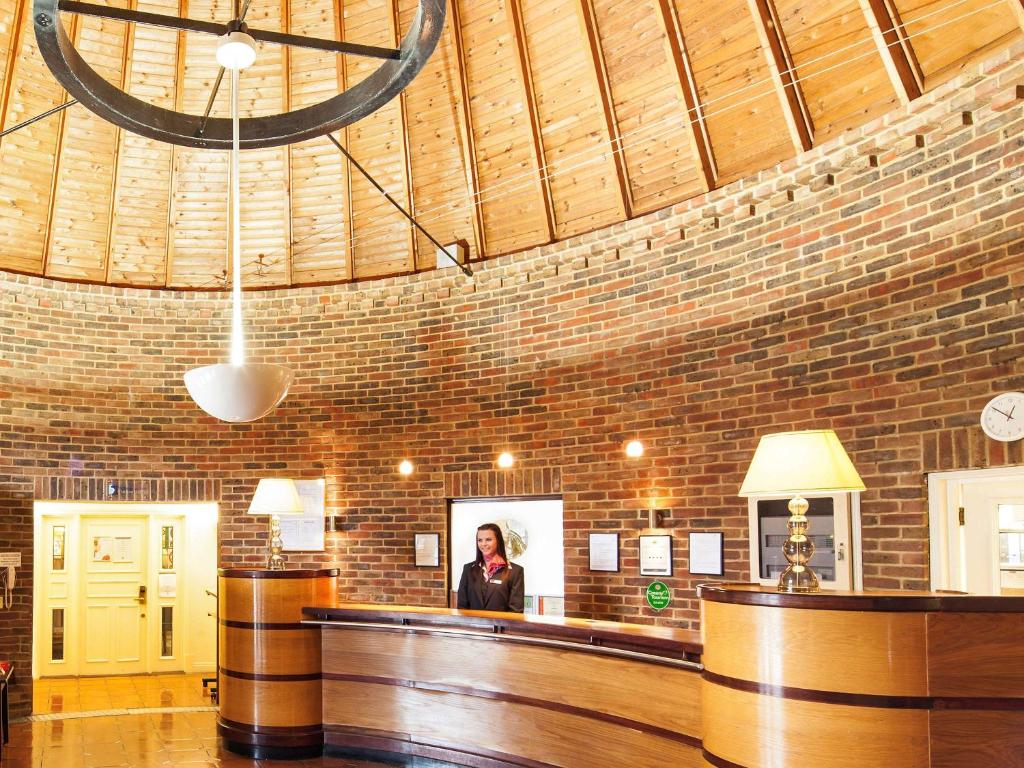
[104,723]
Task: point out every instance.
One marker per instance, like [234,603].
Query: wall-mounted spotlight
[405,468]
[634,449]
[506,460]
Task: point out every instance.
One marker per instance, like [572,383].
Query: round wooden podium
[269,662]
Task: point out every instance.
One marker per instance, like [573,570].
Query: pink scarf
[493,564]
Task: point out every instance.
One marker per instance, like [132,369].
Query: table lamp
[275,497]
[795,463]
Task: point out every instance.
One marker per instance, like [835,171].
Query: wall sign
[604,552]
[655,555]
[658,595]
[707,553]
[428,550]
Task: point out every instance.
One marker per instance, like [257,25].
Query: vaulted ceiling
[535,120]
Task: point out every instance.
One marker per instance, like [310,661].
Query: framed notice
[604,552]
[655,554]
[707,553]
[428,549]
[305,532]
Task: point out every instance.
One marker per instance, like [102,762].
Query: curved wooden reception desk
[839,680]
[495,689]
[269,662]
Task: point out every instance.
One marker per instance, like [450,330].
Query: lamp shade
[800,462]
[238,393]
[276,496]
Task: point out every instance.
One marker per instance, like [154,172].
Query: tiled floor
[68,731]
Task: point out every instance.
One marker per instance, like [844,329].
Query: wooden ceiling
[535,120]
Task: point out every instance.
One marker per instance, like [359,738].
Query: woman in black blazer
[491,582]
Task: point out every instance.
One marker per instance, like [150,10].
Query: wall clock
[1003,417]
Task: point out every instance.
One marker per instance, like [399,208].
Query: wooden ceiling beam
[179,100]
[589,21]
[403,112]
[783,73]
[12,57]
[894,47]
[465,125]
[701,141]
[346,176]
[286,106]
[58,154]
[115,180]
[1017,9]
[518,30]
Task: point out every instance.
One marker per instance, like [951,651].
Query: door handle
[841,554]
[141,599]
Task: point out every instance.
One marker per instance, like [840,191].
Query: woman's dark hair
[497,535]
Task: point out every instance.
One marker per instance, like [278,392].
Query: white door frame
[943,520]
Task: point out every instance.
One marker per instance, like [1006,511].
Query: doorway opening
[532,528]
[124,588]
[976,521]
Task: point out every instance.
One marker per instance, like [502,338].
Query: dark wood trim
[672,644]
[261,742]
[270,730]
[265,626]
[861,601]
[895,49]
[261,573]
[262,678]
[385,743]
[719,762]
[784,73]
[521,497]
[877,701]
[512,698]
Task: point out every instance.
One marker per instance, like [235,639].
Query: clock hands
[1009,416]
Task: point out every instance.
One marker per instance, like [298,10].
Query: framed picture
[428,549]
[655,554]
[604,552]
[707,553]
[305,532]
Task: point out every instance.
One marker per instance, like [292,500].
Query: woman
[491,582]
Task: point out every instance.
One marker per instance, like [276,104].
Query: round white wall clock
[1003,417]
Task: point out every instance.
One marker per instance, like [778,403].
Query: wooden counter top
[662,641]
[890,601]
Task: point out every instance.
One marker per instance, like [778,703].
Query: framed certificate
[655,554]
[604,552]
[428,549]
[707,553]
[305,532]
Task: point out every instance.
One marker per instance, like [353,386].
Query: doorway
[124,588]
[976,520]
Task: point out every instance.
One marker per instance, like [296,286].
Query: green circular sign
[658,595]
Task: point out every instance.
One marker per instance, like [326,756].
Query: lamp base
[798,578]
[276,560]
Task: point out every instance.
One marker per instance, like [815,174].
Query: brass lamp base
[276,560]
[798,549]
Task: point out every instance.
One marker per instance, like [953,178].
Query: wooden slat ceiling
[534,121]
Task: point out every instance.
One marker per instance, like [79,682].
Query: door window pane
[167,547]
[57,635]
[58,547]
[167,631]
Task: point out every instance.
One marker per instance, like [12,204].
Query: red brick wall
[873,285]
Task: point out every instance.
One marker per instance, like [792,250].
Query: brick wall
[873,285]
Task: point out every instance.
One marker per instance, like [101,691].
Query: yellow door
[114,596]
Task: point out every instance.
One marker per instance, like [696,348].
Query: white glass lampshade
[236,50]
[813,461]
[238,393]
[275,496]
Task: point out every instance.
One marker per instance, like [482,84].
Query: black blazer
[504,592]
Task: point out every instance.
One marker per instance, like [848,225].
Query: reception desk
[494,689]
[862,680]
[830,680]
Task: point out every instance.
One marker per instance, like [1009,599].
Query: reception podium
[825,680]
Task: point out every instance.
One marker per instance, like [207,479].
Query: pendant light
[237,391]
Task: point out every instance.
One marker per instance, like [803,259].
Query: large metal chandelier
[399,66]
[237,391]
